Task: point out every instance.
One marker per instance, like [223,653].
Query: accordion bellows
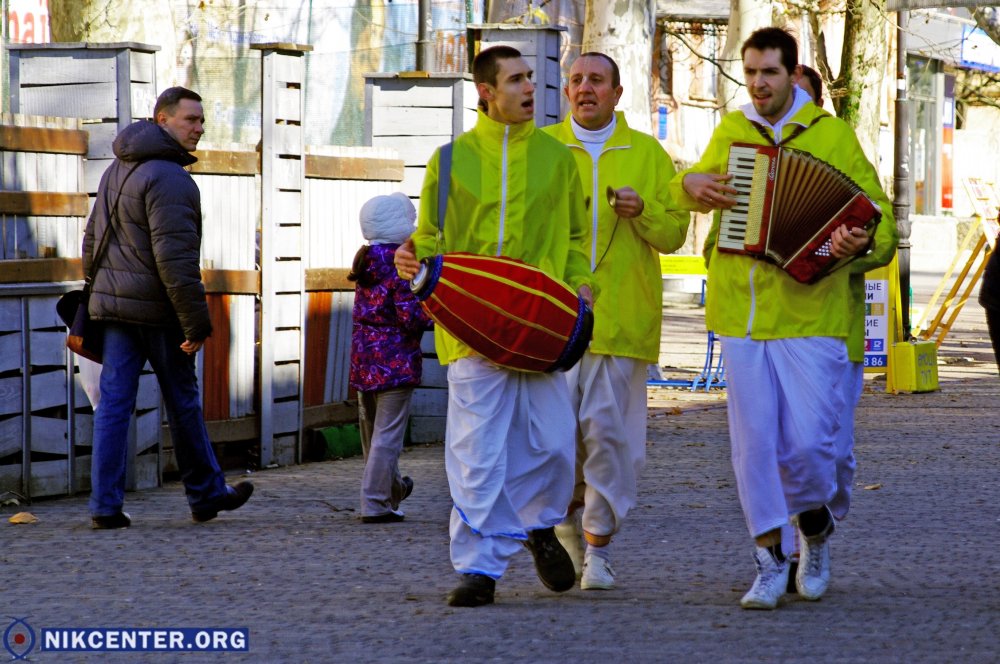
[789,204]
[511,313]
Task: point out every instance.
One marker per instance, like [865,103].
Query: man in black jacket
[148,293]
[989,296]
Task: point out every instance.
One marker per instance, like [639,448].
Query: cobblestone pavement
[915,565]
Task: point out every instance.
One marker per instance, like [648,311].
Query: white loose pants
[852,386]
[785,401]
[609,397]
[509,453]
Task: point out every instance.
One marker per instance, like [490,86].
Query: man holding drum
[512,191]
[631,220]
[792,386]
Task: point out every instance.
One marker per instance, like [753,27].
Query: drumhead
[427,276]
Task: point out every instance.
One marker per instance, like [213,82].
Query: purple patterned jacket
[388,324]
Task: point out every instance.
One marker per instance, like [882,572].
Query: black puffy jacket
[989,290]
[151,273]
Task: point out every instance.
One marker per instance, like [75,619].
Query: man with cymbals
[631,221]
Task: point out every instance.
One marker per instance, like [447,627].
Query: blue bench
[713,372]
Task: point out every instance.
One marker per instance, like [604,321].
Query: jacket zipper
[503,191]
[594,199]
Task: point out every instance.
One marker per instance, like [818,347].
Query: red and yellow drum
[511,313]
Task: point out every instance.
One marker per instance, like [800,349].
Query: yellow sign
[914,366]
[911,366]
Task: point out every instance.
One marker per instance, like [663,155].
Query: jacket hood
[145,140]
[388,219]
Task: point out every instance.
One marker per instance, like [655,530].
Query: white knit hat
[388,219]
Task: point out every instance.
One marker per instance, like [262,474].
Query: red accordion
[511,313]
[788,207]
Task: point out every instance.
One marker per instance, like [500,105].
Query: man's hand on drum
[628,203]
[848,242]
[710,190]
[587,295]
[406,261]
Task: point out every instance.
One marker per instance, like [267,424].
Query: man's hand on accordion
[848,242]
[710,190]
[406,261]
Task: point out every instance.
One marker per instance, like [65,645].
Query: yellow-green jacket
[514,192]
[750,296]
[624,254]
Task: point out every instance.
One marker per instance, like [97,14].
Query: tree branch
[706,58]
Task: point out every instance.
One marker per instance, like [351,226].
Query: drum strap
[444,184]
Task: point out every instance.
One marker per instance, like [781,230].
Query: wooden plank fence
[46,420]
[45,416]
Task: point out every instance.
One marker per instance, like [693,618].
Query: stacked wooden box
[107,85]
[540,45]
[415,113]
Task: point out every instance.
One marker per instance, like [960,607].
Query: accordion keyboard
[733,222]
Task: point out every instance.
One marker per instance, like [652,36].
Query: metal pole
[425,51]
[4,74]
[901,171]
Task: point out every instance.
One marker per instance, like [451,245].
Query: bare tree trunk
[366,56]
[114,21]
[745,16]
[856,93]
[623,29]
[988,20]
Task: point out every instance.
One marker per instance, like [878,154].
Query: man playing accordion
[788,345]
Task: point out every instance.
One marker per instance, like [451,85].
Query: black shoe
[388,517]
[472,590]
[553,564]
[233,501]
[407,487]
[112,522]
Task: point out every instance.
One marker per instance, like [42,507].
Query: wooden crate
[109,85]
[416,115]
[540,45]
[430,401]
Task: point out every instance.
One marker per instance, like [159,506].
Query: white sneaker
[597,574]
[570,535]
[813,575]
[770,584]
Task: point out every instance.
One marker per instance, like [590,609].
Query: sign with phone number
[876,323]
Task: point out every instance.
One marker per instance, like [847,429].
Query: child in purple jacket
[385,354]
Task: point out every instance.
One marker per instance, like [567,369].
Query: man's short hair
[616,76]
[169,98]
[778,38]
[815,81]
[487,63]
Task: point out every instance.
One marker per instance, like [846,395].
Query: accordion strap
[795,132]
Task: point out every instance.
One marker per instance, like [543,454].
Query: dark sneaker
[553,564]
[233,500]
[472,590]
[388,517]
[112,522]
[407,487]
